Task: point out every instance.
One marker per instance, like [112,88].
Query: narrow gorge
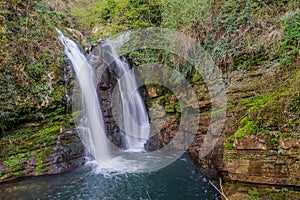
[89,110]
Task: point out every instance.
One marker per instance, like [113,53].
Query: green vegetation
[26,139]
[108,17]
[272,194]
[40,160]
[253,194]
[290,44]
[248,129]
[15,162]
[229,143]
[233,156]
[181,15]
[31,59]
[246,126]
[264,113]
[236,33]
[27,146]
[243,35]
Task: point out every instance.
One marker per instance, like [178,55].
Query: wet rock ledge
[46,151]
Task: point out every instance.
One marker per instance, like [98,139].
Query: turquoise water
[180,180]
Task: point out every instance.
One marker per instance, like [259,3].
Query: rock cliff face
[166,118]
[255,161]
[252,147]
[262,147]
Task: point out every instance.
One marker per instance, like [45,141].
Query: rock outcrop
[166,117]
[260,150]
[40,153]
[251,149]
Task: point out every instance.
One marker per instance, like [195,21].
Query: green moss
[177,116]
[39,170]
[248,128]
[41,159]
[239,134]
[253,194]
[229,146]
[20,148]
[289,46]
[244,121]
[14,163]
[178,108]
[233,156]
[274,141]
[230,106]
[287,135]
[229,143]
[279,194]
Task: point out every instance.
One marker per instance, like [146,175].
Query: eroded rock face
[263,164]
[40,154]
[266,157]
[165,114]
[105,92]
[164,131]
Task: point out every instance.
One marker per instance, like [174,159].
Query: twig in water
[221,192]
[148,194]
[221,186]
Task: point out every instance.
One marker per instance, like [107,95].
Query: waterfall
[92,124]
[135,121]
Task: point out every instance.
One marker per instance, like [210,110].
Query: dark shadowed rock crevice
[106,85]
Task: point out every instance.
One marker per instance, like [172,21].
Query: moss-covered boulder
[49,150]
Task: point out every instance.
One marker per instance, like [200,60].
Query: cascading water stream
[135,122]
[92,124]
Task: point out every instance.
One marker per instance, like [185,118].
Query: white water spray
[135,121]
[92,124]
